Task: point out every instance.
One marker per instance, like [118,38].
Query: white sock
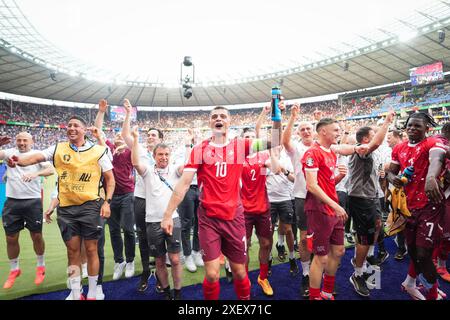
[92,293]
[75,284]
[14,264]
[371,252]
[359,271]
[364,266]
[410,281]
[291,255]
[281,239]
[40,261]
[305,268]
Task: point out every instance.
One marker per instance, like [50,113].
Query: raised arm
[381,133]
[102,107]
[259,122]
[287,132]
[140,168]
[99,135]
[177,196]
[4,140]
[126,134]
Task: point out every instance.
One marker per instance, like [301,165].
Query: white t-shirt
[15,187]
[104,161]
[157,193]
[279,188]
[296,159]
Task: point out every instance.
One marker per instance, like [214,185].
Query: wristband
[188,145]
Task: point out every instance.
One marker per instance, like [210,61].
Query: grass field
[56,260]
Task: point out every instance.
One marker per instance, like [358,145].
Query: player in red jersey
[257,208]
[218,163]
[325,217]
[424,199]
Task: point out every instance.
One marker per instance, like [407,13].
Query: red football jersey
[219,170]
[254,192]
[322,160]
[416,155]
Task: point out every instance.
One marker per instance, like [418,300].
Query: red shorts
[323,231]
[423,229]
[218,236]
[445,222]
[262,223]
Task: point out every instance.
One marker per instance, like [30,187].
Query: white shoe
[190,265]
[100,295]
[84,271]
[198,260]
[118,270]
[70,296]
[129,269]
[414,292]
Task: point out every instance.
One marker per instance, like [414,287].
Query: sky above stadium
[226,39]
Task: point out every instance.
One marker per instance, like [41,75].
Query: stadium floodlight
[441,35]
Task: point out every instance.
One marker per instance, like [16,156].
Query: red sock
[211,290]
[328,283]
[314,293]
[242,288]
[412,270]
[263,270]
[433,293]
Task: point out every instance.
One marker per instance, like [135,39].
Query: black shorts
[159,243]
[301,214]
[22,213]
[282,210]
[83,220]
[365,214]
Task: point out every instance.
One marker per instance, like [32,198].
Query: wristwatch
[109,201]
[287,173]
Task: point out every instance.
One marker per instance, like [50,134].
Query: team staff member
[80,166]
[23,207]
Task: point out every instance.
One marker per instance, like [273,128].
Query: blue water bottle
[407,174]
[276,96]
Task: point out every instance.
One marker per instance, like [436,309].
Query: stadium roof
[30,65]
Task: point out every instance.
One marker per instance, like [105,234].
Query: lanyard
[164,180]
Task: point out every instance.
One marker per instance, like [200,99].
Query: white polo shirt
[158,193]
[16,188]
[296,158]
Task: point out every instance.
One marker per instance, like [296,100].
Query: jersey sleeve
[310,160]
[195,159]
[394,157]
[437,144]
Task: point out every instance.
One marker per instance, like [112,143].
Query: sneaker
[265,286]
[118,270]
[304,287]
[414,292]
[11,278]
[100,295]
[190,264]
[293,267]
[70,296]
[353,262]
[198,260]
[84,271]
[40,275]
[269,271]
[400,254]
[281,252]
[177,294]
[349,238]
[158,288]
[370,283]
[382,256]
[443,273]
[373,261]
[359,283]
[129,270]
[441,295]
[167,294]
[143,283]
[323,296]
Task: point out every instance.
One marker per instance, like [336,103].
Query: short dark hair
[247,129]
[362,133]
[160,133]
[81,119]
[325,122]
[428,119]
[160,146]
[396,133]
[220,108]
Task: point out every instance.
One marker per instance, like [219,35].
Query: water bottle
[407,174]
[276,112]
